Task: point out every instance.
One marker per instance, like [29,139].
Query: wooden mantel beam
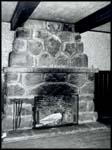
[22,13]
[96,19]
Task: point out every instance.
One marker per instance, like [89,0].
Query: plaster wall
[97,47]
[7,40]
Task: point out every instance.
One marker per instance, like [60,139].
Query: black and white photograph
[56,74]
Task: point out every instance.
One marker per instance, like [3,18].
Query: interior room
[56,73]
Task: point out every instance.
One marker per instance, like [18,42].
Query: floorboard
[99,138]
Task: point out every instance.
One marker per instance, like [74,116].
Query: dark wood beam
[98,18]
[22,12]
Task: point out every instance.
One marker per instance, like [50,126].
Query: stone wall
[47,61]
[102,48]
[55,84]
[47,47]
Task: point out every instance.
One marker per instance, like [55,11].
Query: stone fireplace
[50,63]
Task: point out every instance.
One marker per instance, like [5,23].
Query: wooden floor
[99,138]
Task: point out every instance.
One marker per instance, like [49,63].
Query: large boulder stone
[87,117]
[21,59]
[45,60]
[77,78]
[79,60]
[70,48]
[35,24]
[62,61]
[12,77]
[7,123]
[9,110]
[82,106]
[15,90]
[20,45]
[35,47]
[86,97]
[87,88]
[32,79]
[26,109]
[53,45]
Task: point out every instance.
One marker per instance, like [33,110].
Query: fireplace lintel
[48,70]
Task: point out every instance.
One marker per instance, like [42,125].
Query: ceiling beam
[98,18]
[100,31]
[22,13]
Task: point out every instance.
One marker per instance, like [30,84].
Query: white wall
[97,47]
[7,40]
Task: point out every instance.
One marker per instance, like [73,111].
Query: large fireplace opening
[55,110]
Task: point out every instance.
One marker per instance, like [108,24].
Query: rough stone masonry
[48,61]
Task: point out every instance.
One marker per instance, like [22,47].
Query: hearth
[48,70]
